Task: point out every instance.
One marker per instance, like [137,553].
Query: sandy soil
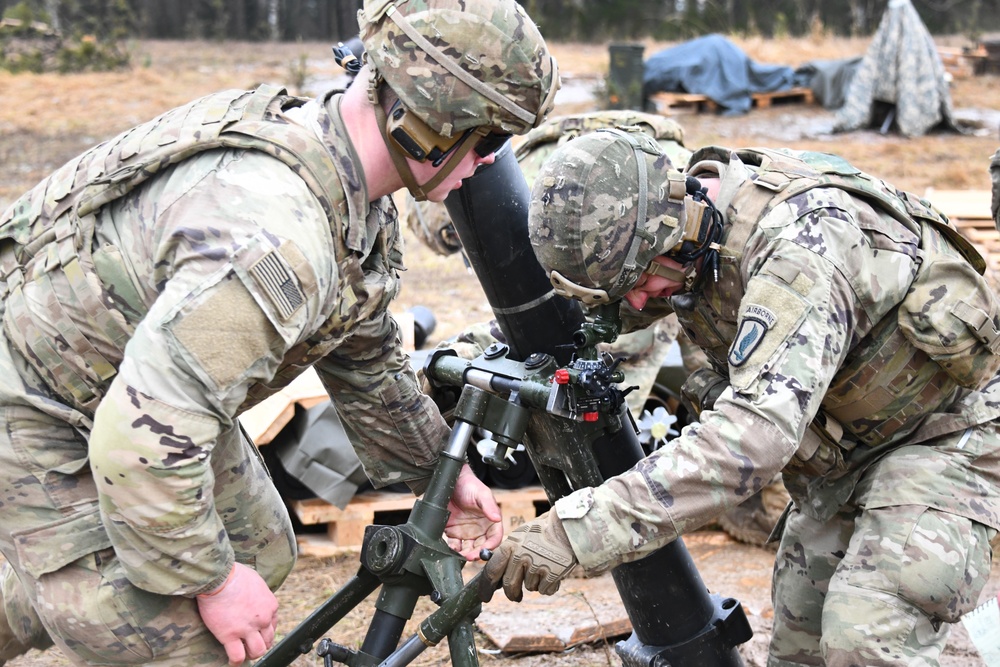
[47,119]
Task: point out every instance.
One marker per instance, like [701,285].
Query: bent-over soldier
[853,345]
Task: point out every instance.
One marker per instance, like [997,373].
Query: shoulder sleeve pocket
[770,312]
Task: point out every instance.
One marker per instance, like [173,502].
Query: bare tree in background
[581,20]
[272,19]
[52,9]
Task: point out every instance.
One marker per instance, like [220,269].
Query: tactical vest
[59,313]
[914,359]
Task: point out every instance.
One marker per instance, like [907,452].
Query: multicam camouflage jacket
[179,273]
[848,319]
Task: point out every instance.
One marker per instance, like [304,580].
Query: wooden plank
[961,204]
[266,419]
[316,510]
[583,611]
[973,223]
[345,527]
[349,530]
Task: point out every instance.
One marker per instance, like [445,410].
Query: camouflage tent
[900,81]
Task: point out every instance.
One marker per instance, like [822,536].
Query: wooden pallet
[345,528]
[790,96]
[969,210]
[667,103]
[963,63]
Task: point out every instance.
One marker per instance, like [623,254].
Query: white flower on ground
[655,428]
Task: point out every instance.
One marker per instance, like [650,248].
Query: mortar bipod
[407,562]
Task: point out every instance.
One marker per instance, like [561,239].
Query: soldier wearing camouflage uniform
[855,344]
[642,350]
[163,282]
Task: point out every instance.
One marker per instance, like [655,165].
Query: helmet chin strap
[418,191]
[686,276]
[700,241]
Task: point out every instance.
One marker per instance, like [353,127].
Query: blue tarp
[716,68]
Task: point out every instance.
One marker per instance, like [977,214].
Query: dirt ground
[47,119]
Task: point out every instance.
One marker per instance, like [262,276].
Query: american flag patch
[279,284]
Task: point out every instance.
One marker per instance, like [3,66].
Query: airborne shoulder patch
[278,283]
[754,324]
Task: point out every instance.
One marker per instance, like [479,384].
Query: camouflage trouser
[878,584]
[20,627]
[68,578]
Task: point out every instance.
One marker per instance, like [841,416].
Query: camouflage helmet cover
[538,145]
[602,207]
[461,65]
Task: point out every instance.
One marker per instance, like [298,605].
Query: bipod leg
[302,638]
[447,578]
[451,620]
[408,561]
[413,559]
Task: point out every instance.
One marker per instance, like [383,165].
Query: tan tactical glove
[536,556]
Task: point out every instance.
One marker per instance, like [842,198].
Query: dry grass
[584,59]
[49,118]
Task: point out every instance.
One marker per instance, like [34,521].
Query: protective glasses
[489,143]
[422,143]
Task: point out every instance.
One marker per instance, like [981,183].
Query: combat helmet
[467,74]
[602,207]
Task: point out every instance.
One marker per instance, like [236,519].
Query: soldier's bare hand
[242,614]
[475,520]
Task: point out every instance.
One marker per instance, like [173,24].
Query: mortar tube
[490,214]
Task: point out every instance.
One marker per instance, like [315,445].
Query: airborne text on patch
[278,283]
[761,313]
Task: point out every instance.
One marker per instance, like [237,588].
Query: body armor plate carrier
[916,357]
[58,314]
